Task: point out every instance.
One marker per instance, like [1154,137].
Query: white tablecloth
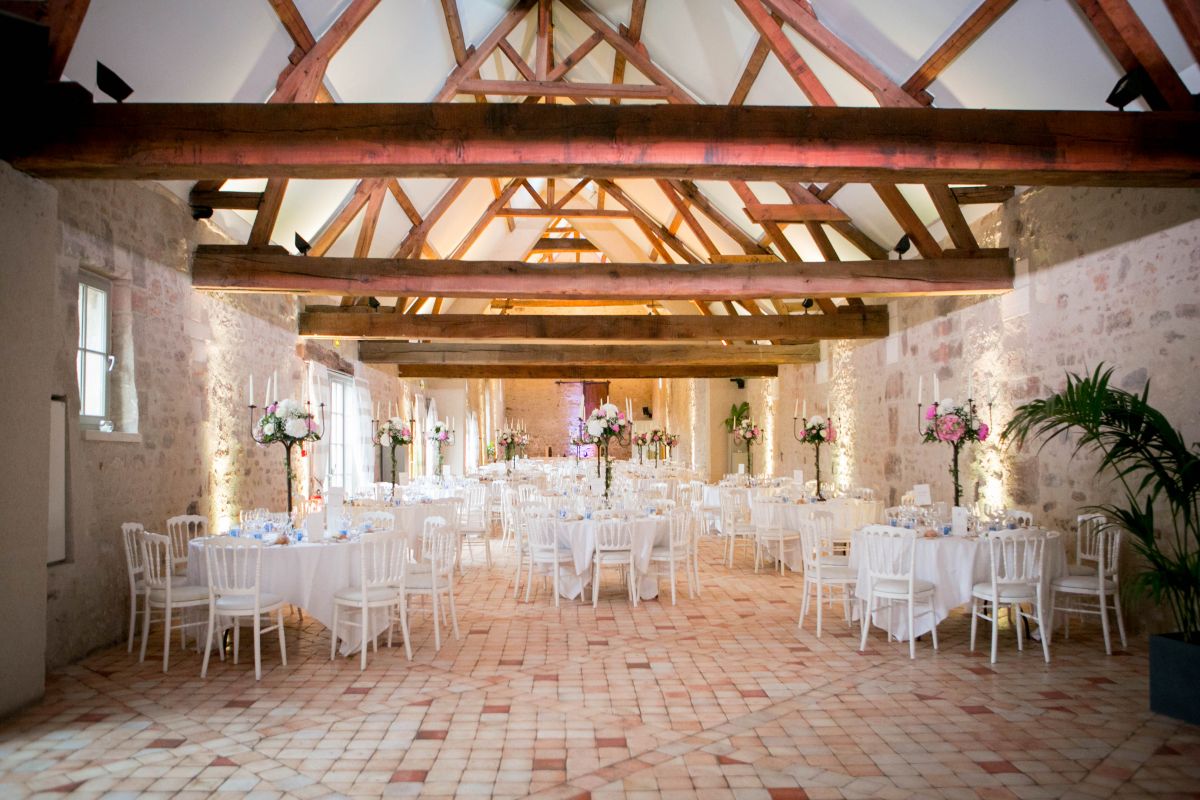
[953,564]
[305,575]
[849,515]
[646,532]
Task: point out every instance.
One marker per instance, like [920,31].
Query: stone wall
[182,379]
[548,407]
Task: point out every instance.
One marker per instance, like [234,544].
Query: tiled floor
[716,697]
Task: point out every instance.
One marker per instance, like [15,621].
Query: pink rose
[950,428]
[983,431]
[830,434]
[932,412]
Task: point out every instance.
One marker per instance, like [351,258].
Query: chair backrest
[681,524]
[735,507]
[527,492]
[234,566]
[660,489]
[662,504]
[383,559]
[823,524]
[540,532]
[376,521]
[1109,550]
[131,539]
[439,545]
[156,560]
[182,530]
[908,499]
[1016,557]
[1088,543]
[890,553]
[613,534]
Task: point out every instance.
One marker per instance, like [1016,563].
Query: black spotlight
[806,304]
[741,382]
[1130,87]
[111,84]
[646,412]
[373,302]
[302,245]
[202,212]
[903,245]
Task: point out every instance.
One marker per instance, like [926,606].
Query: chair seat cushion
[180,593]
[354,594]
[663,553]
[176,580]
[835,561]
[423,581]
[1009,593]
[1083,583]
[837,573]
[895,586]
[243,602]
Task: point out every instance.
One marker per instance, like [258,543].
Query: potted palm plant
[1154,470]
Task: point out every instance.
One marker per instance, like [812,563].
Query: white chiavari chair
[614,548]
[822,575]
[182,529]
[1103,543]
[131,539]
[382,563]
[891,554]
[1016,561]
[234,592]
[433,576]
[168,596]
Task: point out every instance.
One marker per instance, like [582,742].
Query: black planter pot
[1174,668]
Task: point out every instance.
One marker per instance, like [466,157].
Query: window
[93,362]
[341,408]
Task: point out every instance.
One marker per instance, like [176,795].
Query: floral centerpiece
[639,441]
[511,441]
[956,425]
[671,441]
[393,433]
[817,431]
[441,436]
[750,433]
[605,424]
[289,423]
[658,440]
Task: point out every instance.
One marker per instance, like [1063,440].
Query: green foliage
[737,413]
[1150,462]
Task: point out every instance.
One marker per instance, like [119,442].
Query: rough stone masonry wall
[548,408]
[1104,275]
[187,355]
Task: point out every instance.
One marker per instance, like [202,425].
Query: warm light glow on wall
[770,395]
[222,435]
[843,389]
[989,465]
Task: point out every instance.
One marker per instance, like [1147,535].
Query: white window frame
[93,282]
[340,466]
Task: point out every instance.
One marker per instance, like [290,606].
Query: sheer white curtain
[360,449]
[471,444]
[318,392]
[431,419]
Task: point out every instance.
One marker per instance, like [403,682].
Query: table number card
[921,495]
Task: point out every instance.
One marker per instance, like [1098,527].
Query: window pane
[97,320]
[95,374]
[336,389]
[79,379]
[82,314]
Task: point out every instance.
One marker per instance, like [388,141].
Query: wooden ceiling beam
[553,244]
[64,19]
[959,40]
[908,220]
[786,52]
[173,141]
[572,372]
[242,201]
[1132,45]
[311,69]
[969,195]
[585,355]
[336,225]
[637,14]
[1186,14]
[795,212]
[330,322]
[225,268]
[568,213]
[536,88]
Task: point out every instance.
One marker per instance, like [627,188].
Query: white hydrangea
[609,410]
[595,427]
[296,428]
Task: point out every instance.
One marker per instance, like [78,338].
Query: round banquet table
[953,564]
[646,533]
[849,515]
[306,575]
